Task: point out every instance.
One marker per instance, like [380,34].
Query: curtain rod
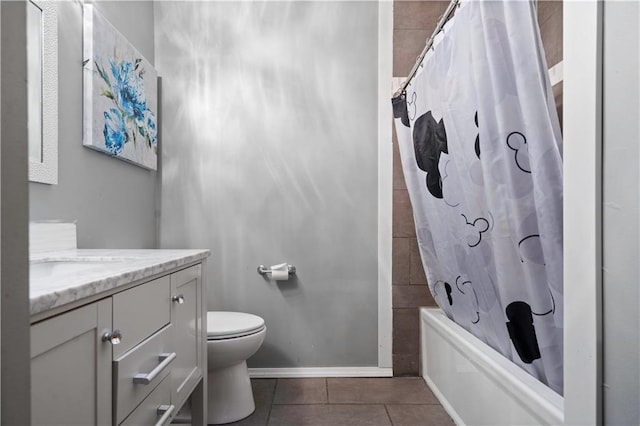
[441,22]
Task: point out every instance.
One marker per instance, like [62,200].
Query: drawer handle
[112,337]
[166,411]
[179,299]
[145,379]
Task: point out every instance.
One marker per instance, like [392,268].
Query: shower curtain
[481,153]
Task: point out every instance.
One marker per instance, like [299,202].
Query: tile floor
[394,401]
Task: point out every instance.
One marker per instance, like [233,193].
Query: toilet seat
[229,325]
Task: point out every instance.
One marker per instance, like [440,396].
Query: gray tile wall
[413,23]
[550,21]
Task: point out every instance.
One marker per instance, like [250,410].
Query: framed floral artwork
[120,87]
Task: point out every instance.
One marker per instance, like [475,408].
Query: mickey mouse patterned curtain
[481,153]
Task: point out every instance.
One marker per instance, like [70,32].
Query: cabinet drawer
[138,372]
[153,408]
[141,311]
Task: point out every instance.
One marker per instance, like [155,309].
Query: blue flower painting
[115,131]
[120,95]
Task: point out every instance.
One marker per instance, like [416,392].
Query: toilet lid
[222,325]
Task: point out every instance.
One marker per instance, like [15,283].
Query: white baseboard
[282,373]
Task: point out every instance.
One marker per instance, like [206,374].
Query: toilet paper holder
[263,270]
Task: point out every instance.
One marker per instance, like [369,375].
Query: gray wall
[270,155]
[621,214]
[113,202]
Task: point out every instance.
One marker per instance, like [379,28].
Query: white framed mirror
[42,90]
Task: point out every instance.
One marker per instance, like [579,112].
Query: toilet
[232,337]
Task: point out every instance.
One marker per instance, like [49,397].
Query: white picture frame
[46,170]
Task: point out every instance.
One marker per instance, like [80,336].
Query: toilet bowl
[232,337]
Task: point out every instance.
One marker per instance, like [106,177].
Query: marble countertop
[66,276]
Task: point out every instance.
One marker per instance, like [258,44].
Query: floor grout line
[326,389]
[388,415]
[271,404]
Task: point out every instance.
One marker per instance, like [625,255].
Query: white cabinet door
[71,368]
[186,314]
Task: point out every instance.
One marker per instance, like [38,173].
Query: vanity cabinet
[133,357]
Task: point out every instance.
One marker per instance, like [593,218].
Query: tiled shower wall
[413,23]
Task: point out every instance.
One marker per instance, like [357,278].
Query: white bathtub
[477,385]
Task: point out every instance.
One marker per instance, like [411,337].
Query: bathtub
[477,385]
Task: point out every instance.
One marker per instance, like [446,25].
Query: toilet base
[229,393]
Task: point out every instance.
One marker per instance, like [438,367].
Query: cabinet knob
[179,299]
[112,337]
